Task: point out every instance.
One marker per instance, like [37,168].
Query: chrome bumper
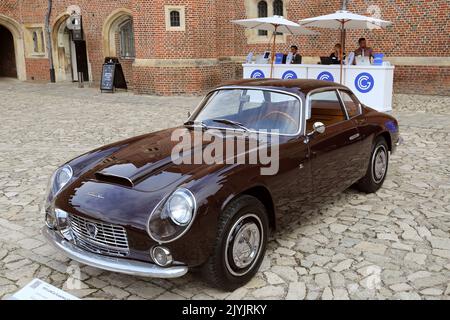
[136,268]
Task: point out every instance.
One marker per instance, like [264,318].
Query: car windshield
[250,109]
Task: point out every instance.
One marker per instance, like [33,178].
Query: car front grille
[99,237]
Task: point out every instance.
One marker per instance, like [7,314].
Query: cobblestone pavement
[391,245]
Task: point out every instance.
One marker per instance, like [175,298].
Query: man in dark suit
[296,57]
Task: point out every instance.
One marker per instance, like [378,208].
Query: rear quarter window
[351,104]
[325,107]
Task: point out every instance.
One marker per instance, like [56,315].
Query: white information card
[40,290]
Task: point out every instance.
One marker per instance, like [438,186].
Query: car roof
[299,85]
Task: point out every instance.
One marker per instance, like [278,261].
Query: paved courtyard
[391,245]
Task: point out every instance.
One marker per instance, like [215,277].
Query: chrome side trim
[135,268]
[343,106]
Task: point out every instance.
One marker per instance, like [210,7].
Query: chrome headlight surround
[173,216]
[59,179]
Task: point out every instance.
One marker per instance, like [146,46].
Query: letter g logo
[364,82]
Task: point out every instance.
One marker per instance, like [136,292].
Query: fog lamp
[161,256]
[50,218]
[61,219]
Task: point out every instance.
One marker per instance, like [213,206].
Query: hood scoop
[109,177]
[119,173]
[127,174]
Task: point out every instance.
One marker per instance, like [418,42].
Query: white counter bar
[373,85]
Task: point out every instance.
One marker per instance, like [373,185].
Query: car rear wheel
[378,167]
[240,244]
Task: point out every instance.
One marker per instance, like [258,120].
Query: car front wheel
[240,244]
[378,167]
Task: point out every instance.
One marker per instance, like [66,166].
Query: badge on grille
[91,229]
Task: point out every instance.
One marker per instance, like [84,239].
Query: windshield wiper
[193,123]
[231,123]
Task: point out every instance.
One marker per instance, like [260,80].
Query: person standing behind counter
[363,50]
[296,57]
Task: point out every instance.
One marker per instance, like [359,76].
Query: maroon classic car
[130,207]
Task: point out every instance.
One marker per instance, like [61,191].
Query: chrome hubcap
[243,246]
[380,164]
[246,245]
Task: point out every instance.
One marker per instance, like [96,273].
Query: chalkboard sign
[107,83]
[112,76]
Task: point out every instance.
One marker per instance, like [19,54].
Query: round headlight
[61,178]
[172,217]
[180,207]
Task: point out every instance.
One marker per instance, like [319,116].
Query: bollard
[80,80]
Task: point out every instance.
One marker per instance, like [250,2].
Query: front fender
[213,193]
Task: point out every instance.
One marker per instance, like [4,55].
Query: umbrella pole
[272,56]
[344,43]
[342,52]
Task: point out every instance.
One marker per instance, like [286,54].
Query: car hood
[146,163]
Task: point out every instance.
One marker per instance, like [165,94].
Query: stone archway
[116,41]
[15,31]
[7,54]
[67,52]
[61,49]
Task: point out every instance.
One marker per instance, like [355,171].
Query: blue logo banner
[364,82]
[326,76]
[289,75]
[257,74]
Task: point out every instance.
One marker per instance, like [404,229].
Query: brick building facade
[187,46]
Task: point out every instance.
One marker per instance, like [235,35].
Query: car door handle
[354,137]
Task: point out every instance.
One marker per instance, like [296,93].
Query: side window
[326,108]
[351,104]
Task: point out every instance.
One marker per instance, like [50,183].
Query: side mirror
[319,127]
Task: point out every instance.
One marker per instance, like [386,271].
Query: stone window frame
[253,36]
[35,38]
[182,12]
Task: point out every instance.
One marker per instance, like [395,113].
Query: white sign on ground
[40,290]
